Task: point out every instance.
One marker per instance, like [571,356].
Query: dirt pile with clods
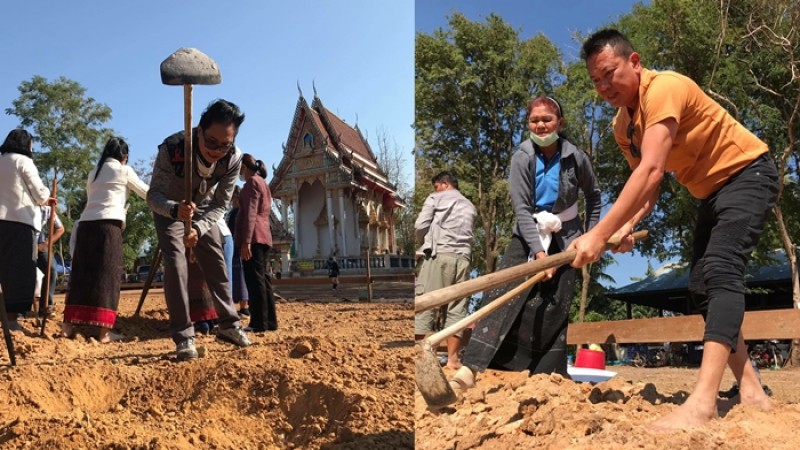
[512,410]
[336,375]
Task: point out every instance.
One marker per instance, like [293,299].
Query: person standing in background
[238,286]
[333,271]
[254,239]
[95,280]
[21,194]
[445,227]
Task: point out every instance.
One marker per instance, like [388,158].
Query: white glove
[547,224]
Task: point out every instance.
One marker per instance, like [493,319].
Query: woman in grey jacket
[530,331]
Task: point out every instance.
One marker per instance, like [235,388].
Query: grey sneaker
[234,335]
[186,350]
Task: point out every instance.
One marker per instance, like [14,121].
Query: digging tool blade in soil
[431,381]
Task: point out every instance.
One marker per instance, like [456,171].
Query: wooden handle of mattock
[439,336]
[188,157]
[44,294]
[450,293]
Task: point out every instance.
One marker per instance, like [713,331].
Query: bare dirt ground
[336,375]
[512,410]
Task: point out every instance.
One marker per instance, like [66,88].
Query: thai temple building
[334,199]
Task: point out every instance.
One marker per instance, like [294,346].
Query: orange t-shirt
[709,147]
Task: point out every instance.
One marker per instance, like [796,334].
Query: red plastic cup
[590,359]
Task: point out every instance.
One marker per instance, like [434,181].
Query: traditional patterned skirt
[201,303]
[522,333]
[96,271]
[17,265]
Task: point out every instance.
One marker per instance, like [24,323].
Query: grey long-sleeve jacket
[166,185]
[445,223]
[576,173]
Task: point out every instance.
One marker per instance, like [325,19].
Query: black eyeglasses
[634,150]
[216,147]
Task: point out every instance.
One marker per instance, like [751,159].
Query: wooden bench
[758,325]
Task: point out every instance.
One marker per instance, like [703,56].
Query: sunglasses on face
[215,146]
[634,150]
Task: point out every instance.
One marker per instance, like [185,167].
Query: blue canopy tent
[769,286]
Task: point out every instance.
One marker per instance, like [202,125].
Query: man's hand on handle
[185,214]
[591,245]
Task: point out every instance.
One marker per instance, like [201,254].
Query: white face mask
[544,141]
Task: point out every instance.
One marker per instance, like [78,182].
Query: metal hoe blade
[431,382]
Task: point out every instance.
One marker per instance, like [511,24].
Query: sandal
[463,379]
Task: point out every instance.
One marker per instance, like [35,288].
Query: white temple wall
[312,201]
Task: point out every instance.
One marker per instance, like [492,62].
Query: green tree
[392,160]
[70,129]
[68,126]
[140,232]
[473,82]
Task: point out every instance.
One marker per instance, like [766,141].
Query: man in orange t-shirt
[666,123]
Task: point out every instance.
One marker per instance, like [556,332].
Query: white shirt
[21,190]
[107,195]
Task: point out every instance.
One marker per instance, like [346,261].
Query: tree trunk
[584,291]
[794,353]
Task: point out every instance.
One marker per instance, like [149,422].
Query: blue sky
[358,53]
[558,23]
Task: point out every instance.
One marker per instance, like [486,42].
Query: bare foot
[455,365]
[693,413]
[463,379]
[67,330]
[107,336]
[755,398]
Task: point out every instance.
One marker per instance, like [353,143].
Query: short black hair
[606,37]
[18,141]
[445,177]
[223,112]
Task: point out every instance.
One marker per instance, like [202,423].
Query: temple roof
[347,137]
[342,141]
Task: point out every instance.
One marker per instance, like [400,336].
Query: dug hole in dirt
[336,375]
[510,410]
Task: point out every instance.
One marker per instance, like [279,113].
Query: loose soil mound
[512,411]
[334,376]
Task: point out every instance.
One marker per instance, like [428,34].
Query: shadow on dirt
[385,440]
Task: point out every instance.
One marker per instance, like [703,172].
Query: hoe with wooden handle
[432,384]
[187,67]
[446,295]
[6,331]
[44,295]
